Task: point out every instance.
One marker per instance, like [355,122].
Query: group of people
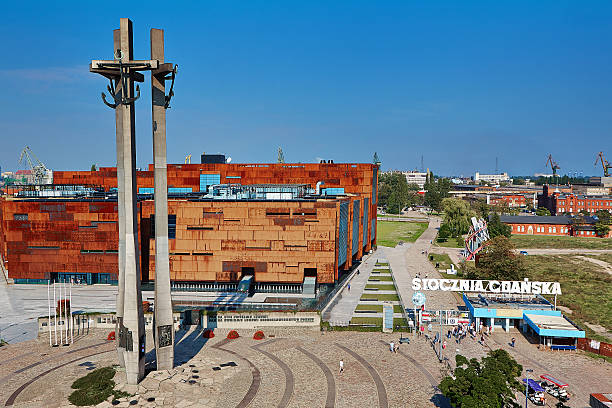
[393,347]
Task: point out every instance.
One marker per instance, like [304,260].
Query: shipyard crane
[604,163]
[553,165]
[39,170]
[188,159]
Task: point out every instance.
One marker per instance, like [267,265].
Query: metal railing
[204,287]
[278,287]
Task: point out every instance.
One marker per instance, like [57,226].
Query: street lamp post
[527,385]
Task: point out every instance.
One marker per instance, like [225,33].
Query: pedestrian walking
[513,341]
[444,345]
[341,366]
[349,287]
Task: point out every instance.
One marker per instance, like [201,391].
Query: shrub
[208,334]
[94,388]
[232,335]
[259,335]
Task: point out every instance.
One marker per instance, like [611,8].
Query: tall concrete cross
[164,324]
[122,71]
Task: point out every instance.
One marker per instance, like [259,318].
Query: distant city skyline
[460,84]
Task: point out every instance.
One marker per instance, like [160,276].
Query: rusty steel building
[278,223]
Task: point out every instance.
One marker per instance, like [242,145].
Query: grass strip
[380,278]
[381,286]
[380,297]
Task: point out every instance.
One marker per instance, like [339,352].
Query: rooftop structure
[416,177]
[492,178]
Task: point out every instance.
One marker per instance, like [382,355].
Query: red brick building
[513,200]
[558,202]
[550,226]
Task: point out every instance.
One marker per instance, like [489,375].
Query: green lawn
[443,259]
[382,270]
[367,320]
[380,286]
[450,243]
[381,297]
[533,241]
[383,278]
[378,321]
[587,290]
[389,233]
[379,308]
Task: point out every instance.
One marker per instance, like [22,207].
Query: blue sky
[457,82]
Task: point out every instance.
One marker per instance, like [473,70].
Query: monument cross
[164,321]
[121,73]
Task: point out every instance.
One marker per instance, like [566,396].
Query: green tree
[499,261]
[489,383]
[518,181]
[604,216]
[435,191]
[497,228]
[93,167]
[542,211]
[602,229]
[602,226]
[585,213]
[481,208]
[444,233]
[457,214]
[394,192]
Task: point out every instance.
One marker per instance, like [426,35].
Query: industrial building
[560,225]
[558,202]
[279,223]
[492,178]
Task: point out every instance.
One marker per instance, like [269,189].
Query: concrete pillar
[133,318]
[120,211]
[478,324]
[507,325]
[164,328]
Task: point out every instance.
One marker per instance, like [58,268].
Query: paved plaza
[290,368]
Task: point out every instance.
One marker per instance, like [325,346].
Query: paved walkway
[342,312]
[407,261]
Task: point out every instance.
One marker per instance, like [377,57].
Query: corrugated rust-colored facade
[214,240]
[61,237]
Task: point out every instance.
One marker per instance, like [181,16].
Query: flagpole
[65,312]
[71,323]
[49,315]
[54,313]
[59,302]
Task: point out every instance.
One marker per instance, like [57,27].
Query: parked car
[523,253]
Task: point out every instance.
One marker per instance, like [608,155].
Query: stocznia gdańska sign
[490,286]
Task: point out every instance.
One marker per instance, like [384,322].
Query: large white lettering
[445,284]
[493,286]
